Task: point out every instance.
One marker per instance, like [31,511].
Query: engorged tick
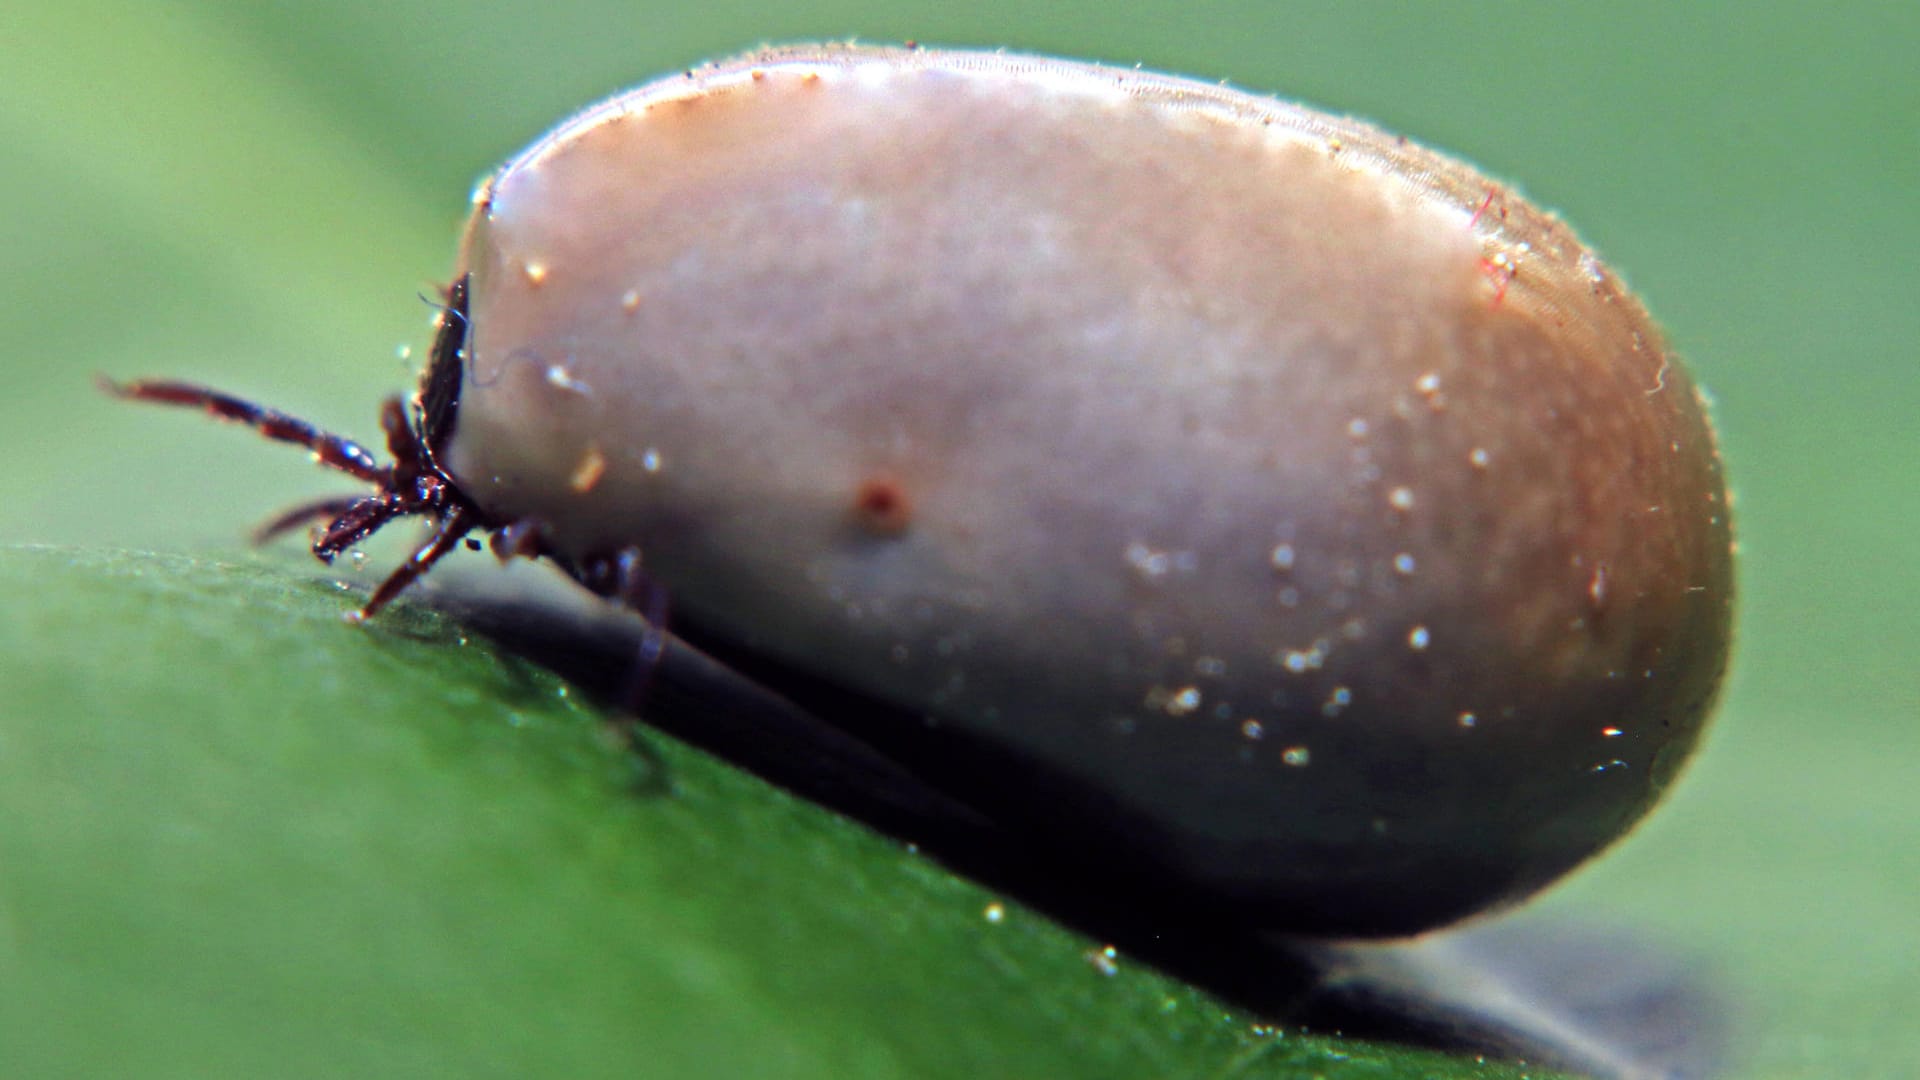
[1244,503]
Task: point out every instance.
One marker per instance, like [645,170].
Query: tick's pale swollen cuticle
[1208,479]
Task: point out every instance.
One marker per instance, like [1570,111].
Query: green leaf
[243,838]
[251,194]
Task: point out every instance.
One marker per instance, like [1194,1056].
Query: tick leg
[328,510]
[517,540]
[445,538]
[637,591]
[402,442]
[361,519]
[333,451]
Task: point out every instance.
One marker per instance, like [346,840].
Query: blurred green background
[252,194]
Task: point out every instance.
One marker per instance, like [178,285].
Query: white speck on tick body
[560,378]
[1150,564]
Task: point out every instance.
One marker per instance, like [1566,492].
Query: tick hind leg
[622,579]
[639,592]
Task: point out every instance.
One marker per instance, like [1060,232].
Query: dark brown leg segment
[317,511]
[448,535]
[333,451]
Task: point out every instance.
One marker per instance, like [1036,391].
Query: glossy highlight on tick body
[1259,506]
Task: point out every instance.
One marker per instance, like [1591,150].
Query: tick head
[412,484]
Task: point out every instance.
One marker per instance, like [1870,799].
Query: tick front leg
[334,451]
[446,536]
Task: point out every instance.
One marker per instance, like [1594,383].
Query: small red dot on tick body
[881,504]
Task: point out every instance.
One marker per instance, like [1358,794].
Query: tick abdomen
[1299,510]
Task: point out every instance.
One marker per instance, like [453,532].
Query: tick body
[1170,454]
